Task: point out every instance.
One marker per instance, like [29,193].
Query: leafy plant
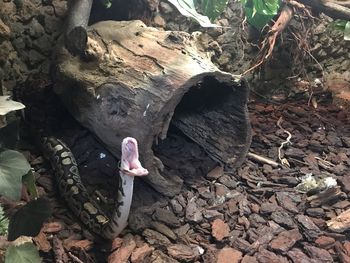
[13,165]
[24,219]
[35,212]
[212,8]
[4,223]
[343,26]
[22,250]
[260,12]
[187,8]
[107,3]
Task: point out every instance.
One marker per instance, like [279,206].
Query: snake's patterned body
[76,195]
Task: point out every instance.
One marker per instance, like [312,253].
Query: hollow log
[76,24]
[332,9]
[134,80]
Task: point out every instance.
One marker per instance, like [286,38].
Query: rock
[140,254]
[159,21]
[219,229]
[229,255]
[318,254]
[315,212]
[286,202]
[228,181]
[297,256]
[193,214]
[242,245]
[167,217]
[5,31]
[177,208]
[182,252]
[221,190]
[256,220]
[285,240]
[268,208]
[283,218]
[162,228]
[212,214]
[295,153]
[341,223]
[249,259]
[140,219]
[122,254]
[310,230]
[265,256]
[154,237]
[160,257]
[325,242]
[217,172]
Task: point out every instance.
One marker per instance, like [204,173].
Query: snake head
[130,164]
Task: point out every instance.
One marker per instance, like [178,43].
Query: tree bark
[133,80]
[77,21]
[330,8]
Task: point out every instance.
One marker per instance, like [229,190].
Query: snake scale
[73,191]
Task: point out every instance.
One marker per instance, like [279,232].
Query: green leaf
[7,105]
[24,253]
[347,31]
[13,165]
[4,223]
[29,181]
[36,212]
[187,9]
[260,12]
[213,8]
[107,3]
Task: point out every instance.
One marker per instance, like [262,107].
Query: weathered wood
[77,21]
[130,80]
[341,223]
[330,8]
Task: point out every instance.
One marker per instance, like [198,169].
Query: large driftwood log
[133,80]
[334,9]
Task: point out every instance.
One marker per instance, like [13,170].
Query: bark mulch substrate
[252,215]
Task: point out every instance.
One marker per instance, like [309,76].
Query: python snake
[73,191]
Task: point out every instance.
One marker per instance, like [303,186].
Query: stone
[167,217]
[297,256]
[283,218]
[217,172]
[285,240]
[249,259]
[193,214]
[212,214]
[182,252]
[315,212]
[286,202]
[219,229]
[122,254]
[5,31]
[319,254]
[310,230]
[265,256]
[165,230]
[325,242]
[159,257]
[140,254]
[229,255]
[154,237]
[268,208]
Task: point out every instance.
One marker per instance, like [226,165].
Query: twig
[74,258]
[283,161]
[262,159]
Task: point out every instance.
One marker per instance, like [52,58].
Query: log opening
[139,79]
